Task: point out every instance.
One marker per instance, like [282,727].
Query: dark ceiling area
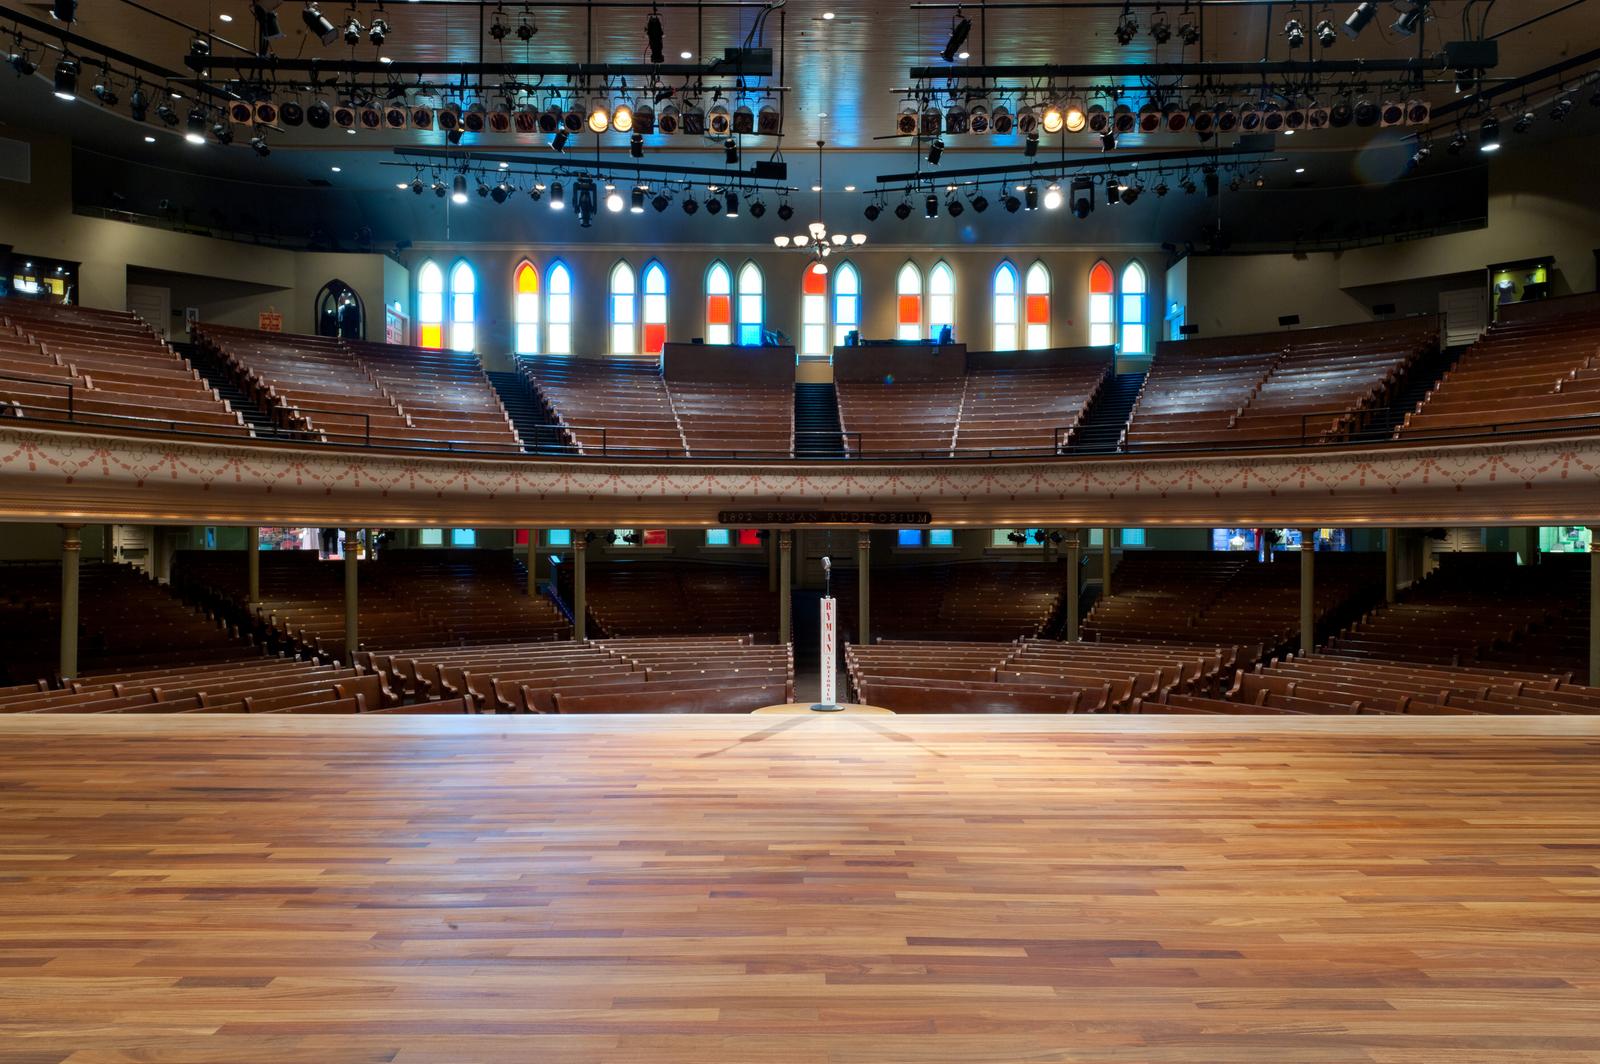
[1233,123]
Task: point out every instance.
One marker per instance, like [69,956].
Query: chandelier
[816,239]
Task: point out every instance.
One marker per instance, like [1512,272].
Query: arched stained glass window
[846,302]
[525,309]
[908,303]
[655,308]
[941,299]
[1036,307]
[1102,306]
[623,335]
[719,304]
[558,310]
[463,307]
[814,310]
[430,305]
[1134,302]
[752,305]
[1005,307]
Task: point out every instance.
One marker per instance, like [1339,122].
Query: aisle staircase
[817,433]
[1425,374]
[219,376]
[538,432]
[1100,432]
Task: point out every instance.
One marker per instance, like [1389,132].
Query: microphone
[827,565]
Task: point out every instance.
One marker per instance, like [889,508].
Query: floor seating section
[1028,675]
[1526,372]
[120,373]
[704,674]
[355,394]
[405,598]
[1230,597]
[1484,609]
[1337,683]
[126,621]
[265,685]
[657,598]
[1256,390]
[958,601]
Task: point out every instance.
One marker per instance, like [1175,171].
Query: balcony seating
[916,416]
[721,417]
[1538,373]
[405,598]
[614,406]
[1287,388]
[121,373]
[444,394]
[664,598]
[1027,408]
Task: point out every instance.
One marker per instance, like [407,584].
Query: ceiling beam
[1065,164]
[735,62]
[1171,70]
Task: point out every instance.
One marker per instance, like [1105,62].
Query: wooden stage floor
[753,889]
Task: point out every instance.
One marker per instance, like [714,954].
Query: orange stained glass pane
[527,280]
[655,335]
[1100,279]
[815,284]
[432,336]
[719,310]
[1038,310]
[910,310]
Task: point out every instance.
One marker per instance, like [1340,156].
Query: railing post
[72,409]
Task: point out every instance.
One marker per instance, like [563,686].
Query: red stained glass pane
[816,284]
[1100,280]
[655,537]
[654,337]
[719,310]
[522,537]
[749,537]
[432,336]
[910,310]
[1038,310]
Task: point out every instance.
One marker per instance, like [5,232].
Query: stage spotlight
[1113,192]
[222,131]
[1131,193]
[1340,115]
[1074,118]
[1418,112]
[319,25]
[1108,141]
[318,115]
[637,206]
[1294,33]
[258,144]
[690,205]
[931,206]
[958,38]
[64,11]
[1410,19]
[1458,143]
[655,38]
[1123,120]
[66,79]
[872,212]
[559,141]
[1188,185]
[730,152]
[138,104]
[903,211]
[353,31]
[502,192]
[954,207]
[1489,135]
[661,201]
[526,29]
[599,118]
[980,202]
[935,151]
[1189,32]
[195,126]
[977,119]
[1359,18]
[1160,27]
[785,211]
[378,32]
[439,189]
[458,191]
[1001,121]
[1523,123]
[713,204]
[1161,190]
[1562,107]
[585,201]
[1149,120]
[614,202]
[536,193]
[24,66]
[1052,197]
[636,146]
[730,204]
[1030,197]
[758,208]
[417,186]
[1326,34]
[622,118]
[1392,113]
[1127,28]
[1012,203]
[1052,120]
[1030,146]
[104,92]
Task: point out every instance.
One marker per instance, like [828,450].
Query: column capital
[785,539]
[1071,538]
[863,540]
[579,542]
[70,539]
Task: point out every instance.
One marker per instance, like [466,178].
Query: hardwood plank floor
[751,889]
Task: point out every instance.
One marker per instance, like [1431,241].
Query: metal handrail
[280,434]
[51,382]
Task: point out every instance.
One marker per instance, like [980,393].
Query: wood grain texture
[805,888]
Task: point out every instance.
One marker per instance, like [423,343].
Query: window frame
[436,319]
[931,306]
[647,298]
[452,304]
[1109,337]
[558,269]
[522,303]
[614,302]
[841,329]
[1124,322]
[1036,268]
[712,335]
[1000,302]
[740,298]
[905,328]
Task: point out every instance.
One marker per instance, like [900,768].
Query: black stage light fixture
[1562,106]
[1161,189]
[1082,197]
[730,205]
[931,206]
[1160,27]
[585,201]
[291,114]
[730,152]
[1189,32]
[1340,115]
[636,146]
[223,132]
[653,34]
[1127,28]
[1030,198]
[21,63]
[636,201]
[104,91]
[713,204]
[318,115]
[959,31]
[417,186]
[1188,185]
[1458,143]
[378,32]
[438,188]
[1113,194]
[954,207]
[1327,36]
[661,201]
[195,126]
[258,144]
[980,202]
[872,212]
[903,211]
[138,104]
[526,29]
[1523,123]
[1012,203]
[536,193]
[1411,18]
[758,208]
[935,151]
[559,141]
[1030,146]
[1108,141]
[64,10]
[66,78]
[1359,18]
[1489,135]
[165,112]
[1367,114]
[1131,193]
[690,205]
[785,211]
[1294,33]
[318,25]
[557,197]
[501,192]
[458,189]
